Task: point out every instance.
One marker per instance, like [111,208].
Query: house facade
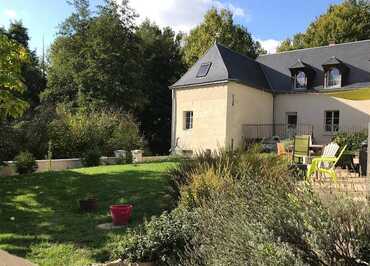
[226,97]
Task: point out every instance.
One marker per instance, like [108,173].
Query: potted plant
[121,213]
[89,203]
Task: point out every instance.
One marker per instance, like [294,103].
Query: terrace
[352,166]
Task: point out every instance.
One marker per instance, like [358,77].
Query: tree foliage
[32,72]
[218,26]
[345,22]
[12,56]
[96,58]
[105,60]
[162,65]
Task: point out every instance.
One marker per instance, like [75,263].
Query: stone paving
[348,184]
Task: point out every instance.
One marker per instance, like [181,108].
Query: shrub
[201,186]
[28,134]
[352,140]
[247,208]
[161,240]
[222,161]
[91,157]
[267,217]
[25,163]
[74,133]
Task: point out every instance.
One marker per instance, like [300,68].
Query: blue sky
[269,21]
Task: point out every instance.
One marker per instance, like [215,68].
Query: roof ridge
[223,60]
[236,52]
[316,47]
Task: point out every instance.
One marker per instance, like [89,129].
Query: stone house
[226,97]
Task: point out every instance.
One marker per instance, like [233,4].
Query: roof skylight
[203,70]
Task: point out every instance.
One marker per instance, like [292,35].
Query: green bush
[74,133]
[31,133]
[248,208]
[10,139]
[91,157]
[161,240]
[25,163]
[263,216]
[352,140]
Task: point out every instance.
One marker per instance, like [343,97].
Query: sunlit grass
[355,95]
[40,211]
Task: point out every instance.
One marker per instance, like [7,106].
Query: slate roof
[355,56]
[272,72]
[227,65]
[332,61]
[298,64]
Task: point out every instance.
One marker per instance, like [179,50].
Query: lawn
[39,215]
[355,95]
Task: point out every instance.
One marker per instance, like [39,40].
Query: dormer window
[333,78]
[302,75]
[300,80]
[335,73]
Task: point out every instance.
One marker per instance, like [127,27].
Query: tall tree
[32,73]
[162,66]
[219,26]
[96,58]
[12,56]
[345,22]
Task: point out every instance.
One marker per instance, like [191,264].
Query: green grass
[39,215]
[355,95]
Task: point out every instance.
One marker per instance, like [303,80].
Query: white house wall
[310,108]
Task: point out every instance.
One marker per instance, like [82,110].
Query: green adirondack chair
[301,147]
[325,165]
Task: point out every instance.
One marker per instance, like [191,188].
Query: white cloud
[10,13]
[269,45]
[181,15]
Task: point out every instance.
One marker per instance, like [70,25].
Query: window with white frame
[188,119]
[333,78]
[300,80]
[331,121]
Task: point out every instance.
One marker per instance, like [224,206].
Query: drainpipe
[368,152]
[173,122]
[273,114]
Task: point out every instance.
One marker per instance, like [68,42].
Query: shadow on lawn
[44,207]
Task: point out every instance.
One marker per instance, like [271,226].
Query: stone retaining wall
[55,165]
[64,164]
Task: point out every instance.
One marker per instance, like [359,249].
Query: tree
[345,22]
[32,74]
[219,26]
[162,66]
[96,59]
[12,56]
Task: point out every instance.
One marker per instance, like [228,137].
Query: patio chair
[330,150]
[325,165]
[301,148]
[281,151]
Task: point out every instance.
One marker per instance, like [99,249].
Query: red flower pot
[121,213]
